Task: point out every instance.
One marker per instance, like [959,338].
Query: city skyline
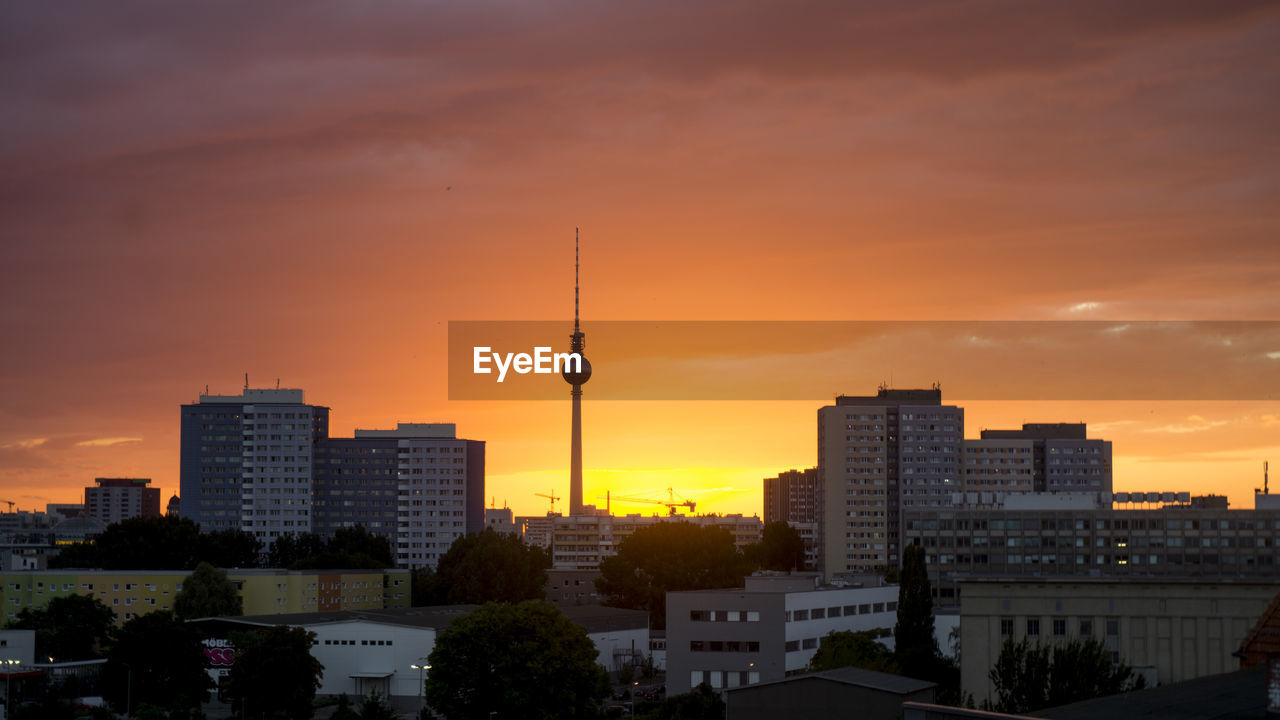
[314,198]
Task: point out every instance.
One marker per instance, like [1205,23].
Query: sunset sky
[312,192]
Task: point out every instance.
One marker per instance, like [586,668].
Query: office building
[246,461]
[1167,629]
[764,631]
[1053,537]
[878,456]
[116,499]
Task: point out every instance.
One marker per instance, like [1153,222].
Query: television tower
[577,344]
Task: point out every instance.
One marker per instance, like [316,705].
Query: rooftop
[1239,694]
[855,676]
[594,618]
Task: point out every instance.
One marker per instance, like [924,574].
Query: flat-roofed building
[764,631]
[1170,630]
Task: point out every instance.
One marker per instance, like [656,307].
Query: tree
[701,703]
[71,627]
[274,674]
[518,661]
[348,548]
[915,645]
[160,543]
[1031,677]
[228,549]
[487,566]
[780,548]
[375,707]
[156,659]
[207,593]
[289,549]
[669,556]
[853,649]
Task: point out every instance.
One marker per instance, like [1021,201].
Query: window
[809,643]
[801,615]
[792,645]
[698,615]
[1086,627]
[1033,627]
[1006,627]
[818,613]
[1059,627]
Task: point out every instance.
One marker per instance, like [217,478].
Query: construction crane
[552,497]
[670,502]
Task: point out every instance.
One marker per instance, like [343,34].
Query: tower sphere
[577,378]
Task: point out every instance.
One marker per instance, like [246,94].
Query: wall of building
[265,592]
[1183,629]
[756,634]
[1120,543]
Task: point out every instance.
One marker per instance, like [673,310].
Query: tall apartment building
[1064,458]
[994,467]
[116,499]
[793,497]
[877,456]
[439,490]
[246,461]
[263,462]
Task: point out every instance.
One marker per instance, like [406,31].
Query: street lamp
[422,667]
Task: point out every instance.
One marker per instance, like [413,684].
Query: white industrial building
[385,651]
[764,631]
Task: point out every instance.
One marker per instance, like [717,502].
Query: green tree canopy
[1029,677]
[156,659]
[518,661]
[487,566]
[274,674]
[914,641]
[853,649]
[669,556]
[207,593]
[160,543]
[350,548]
[71,627]
[780,548]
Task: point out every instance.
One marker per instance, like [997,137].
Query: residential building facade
[582,541]
[116,499]
[130,593]
[878,456]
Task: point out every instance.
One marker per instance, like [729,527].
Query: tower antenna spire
[575,281]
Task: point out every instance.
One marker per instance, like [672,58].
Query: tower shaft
[575,450]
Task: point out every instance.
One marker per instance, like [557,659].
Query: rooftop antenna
[246,381]
[277,383]
[1265,490]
